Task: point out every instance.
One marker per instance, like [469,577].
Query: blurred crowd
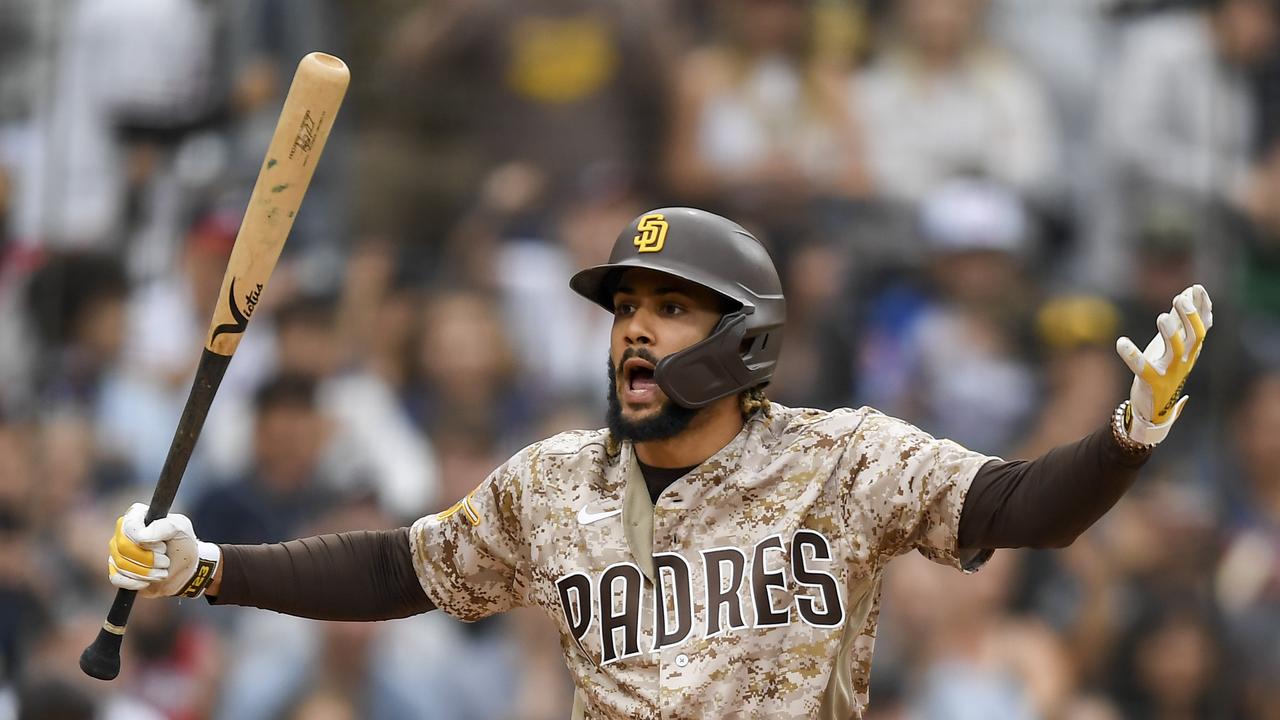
[969,201]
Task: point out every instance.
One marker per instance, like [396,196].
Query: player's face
[654,315]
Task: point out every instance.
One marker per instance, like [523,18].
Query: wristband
[208,557]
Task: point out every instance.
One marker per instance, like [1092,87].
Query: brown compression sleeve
[361,575]
[1049,501]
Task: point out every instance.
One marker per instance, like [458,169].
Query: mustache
[642,353]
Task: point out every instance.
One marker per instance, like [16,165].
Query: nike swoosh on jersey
[586,518]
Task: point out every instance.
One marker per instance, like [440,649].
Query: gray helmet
[718,254]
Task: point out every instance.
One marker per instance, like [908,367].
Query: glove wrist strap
[1142,430]
[208,557]
[1122,420]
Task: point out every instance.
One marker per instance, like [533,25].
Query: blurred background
[969,201]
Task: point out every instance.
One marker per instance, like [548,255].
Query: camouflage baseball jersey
[750,590]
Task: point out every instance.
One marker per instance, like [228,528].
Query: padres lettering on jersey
[589,600]
[751,587]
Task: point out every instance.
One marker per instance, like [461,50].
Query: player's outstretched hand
[1161,370]
[161,559]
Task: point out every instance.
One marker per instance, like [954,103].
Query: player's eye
[672,308]
[623,308]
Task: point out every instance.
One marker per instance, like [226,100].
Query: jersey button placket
[666,539]
[667,514]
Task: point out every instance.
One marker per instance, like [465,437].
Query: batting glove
[162,559]
[1160,371]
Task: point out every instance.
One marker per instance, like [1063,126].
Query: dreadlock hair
[750,401]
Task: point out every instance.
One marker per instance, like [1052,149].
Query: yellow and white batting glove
[1160,371]
[162,559]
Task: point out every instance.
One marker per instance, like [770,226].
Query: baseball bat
[305,120]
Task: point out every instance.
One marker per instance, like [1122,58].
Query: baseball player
[709,553]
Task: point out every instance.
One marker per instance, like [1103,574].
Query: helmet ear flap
[725,363]
[754,350]
[707,370]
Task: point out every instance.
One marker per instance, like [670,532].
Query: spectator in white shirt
[940,101]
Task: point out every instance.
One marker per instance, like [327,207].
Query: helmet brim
[594,284]
[598,283]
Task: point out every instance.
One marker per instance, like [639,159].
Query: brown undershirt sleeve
[1049,501]
[363,575]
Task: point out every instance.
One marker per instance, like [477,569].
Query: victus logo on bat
[241,318]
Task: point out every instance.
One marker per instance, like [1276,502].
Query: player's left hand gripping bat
[304,124]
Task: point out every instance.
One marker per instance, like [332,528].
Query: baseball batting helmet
[718,254]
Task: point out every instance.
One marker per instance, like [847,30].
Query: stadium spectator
[1179,116]
[280,493]
[1077,339]
[76,309]
[939,101]
[468,374]
[951,356]
[1247,580]
[1172,665]
[760,122]
[24,596]
[132,84]
[175,663]
[985,663]
[556,87]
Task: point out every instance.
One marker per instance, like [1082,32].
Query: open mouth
[638,378]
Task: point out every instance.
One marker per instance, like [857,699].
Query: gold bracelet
[1120,422]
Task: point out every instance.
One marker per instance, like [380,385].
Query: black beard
[670,420]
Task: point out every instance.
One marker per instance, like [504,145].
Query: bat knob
[101,659]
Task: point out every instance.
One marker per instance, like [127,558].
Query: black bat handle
[101,659]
